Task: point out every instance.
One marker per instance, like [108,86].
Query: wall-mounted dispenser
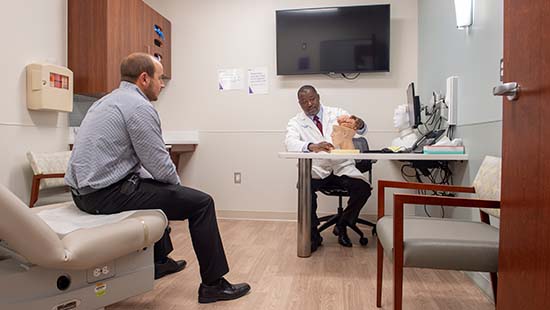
[49,87]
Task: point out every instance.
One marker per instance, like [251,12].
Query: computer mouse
[386,150]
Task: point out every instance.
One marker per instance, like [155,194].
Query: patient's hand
[320,147]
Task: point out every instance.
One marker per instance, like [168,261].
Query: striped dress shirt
[120,134]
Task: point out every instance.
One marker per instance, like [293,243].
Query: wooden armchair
[440,243]
[48,173]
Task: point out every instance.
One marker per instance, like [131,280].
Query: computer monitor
[414,107]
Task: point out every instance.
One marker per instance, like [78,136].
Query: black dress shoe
[343,237]
[316,243]
[223,290]
[168,267]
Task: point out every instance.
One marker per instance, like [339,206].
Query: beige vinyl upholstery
[447,243]
[23,232]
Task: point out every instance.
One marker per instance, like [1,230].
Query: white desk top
[181,137]
[377,156]
[170,137]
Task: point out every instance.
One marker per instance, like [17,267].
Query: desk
[304,182]
[177,142]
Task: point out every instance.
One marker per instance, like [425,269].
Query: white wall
[243,133]
[35,31]
[474,56]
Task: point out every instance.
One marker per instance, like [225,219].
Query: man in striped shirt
[119,162]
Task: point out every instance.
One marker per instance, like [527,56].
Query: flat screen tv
[333,40]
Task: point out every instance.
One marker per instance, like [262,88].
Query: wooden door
[524,258]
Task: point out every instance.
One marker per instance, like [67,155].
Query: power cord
[441,174]
[335,76]
[350,78]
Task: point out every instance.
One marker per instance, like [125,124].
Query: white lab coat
[301,130]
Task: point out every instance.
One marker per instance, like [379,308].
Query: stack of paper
[442,149]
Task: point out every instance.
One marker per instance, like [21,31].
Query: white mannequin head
[401,117]
[407,135]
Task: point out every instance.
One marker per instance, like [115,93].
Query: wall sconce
[464,13]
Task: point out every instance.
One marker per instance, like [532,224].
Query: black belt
[83,191]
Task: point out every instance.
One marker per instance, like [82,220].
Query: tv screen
[333,40]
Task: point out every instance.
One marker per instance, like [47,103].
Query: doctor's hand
[320,147]
[350,121]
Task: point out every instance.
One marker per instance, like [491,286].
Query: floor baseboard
[481,279]
[271,215]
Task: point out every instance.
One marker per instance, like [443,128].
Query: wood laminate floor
[263,253]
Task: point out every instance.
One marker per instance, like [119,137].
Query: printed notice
[257,81]
[230,79]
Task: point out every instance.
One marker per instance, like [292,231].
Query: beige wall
[238,132]
[474,56]
[243,133]
[34,31]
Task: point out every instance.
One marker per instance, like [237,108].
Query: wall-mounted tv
[333,40]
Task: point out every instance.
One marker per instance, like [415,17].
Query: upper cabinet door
[124,35]
[158,38]
[102,32]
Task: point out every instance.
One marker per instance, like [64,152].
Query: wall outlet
[237,177]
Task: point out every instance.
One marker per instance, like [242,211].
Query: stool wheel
[363,241]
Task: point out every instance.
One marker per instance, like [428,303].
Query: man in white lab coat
[310,131]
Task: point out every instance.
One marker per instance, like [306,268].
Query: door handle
[510,90]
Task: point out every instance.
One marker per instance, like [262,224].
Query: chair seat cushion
[334,191]
[46,163]
[443,243]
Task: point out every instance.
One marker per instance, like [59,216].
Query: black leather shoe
[223,290]
[343,237]
[170,266]
[316,243]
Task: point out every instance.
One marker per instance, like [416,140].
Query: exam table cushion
[25,233]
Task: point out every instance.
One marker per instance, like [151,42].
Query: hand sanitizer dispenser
[49,87]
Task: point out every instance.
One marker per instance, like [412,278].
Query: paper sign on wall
[257,81]
[230,79]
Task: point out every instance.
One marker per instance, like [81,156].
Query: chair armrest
[383,184]
[35,188]
[426,186]
[50,175]
[399,200]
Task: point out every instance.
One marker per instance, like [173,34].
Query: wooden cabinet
[157,38]
[102,32]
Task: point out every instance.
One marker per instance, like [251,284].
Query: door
[524,258]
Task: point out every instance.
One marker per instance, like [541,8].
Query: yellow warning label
[100,289]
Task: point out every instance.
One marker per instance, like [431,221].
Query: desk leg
[304,207]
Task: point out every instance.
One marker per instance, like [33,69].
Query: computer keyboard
[384,150]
